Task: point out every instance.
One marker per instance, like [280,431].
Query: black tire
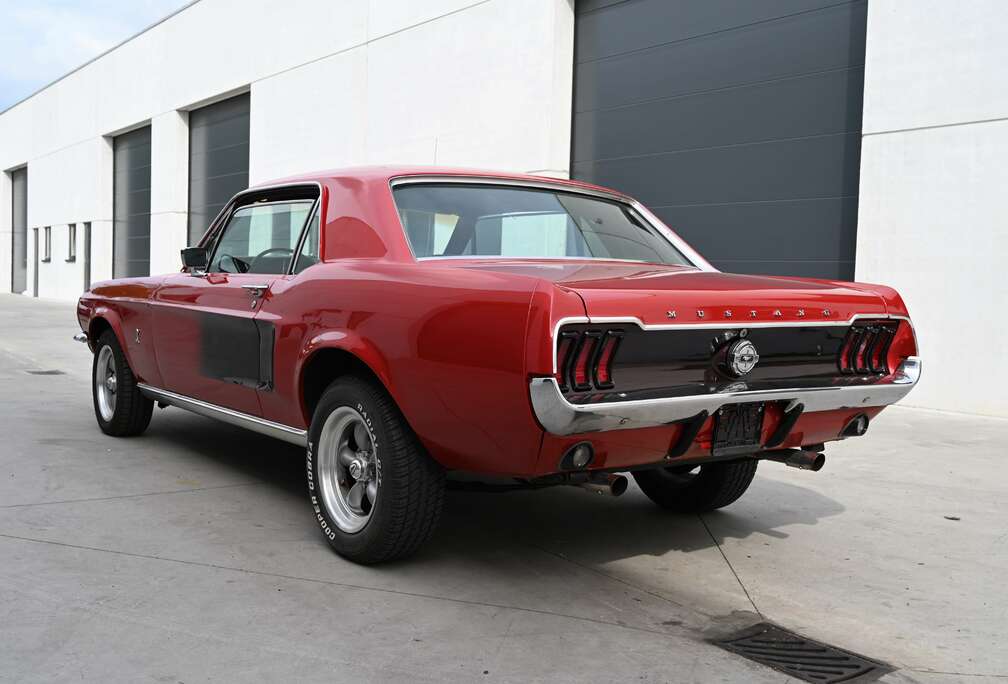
[686,489]
[411,484]
[132,413]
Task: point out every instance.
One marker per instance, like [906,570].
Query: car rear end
[680,368]
[639,354]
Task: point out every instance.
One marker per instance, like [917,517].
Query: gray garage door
[131,203]
[19,224]
[738,122]
[218,159]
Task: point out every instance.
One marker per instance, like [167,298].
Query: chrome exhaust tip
[855,427]
[797,458]
[607,485]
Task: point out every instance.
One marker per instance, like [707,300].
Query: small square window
[72,242]
[47,244]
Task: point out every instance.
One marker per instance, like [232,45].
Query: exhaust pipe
[607,485]
[797,458]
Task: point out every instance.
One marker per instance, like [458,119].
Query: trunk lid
[658,294]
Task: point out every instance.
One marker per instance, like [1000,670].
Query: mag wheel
[376,493]
[697,488]
[119,407]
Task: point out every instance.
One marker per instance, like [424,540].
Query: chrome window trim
[677,242]
[689,269]
[316,209]
[254,423]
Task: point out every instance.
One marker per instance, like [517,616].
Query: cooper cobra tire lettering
[410,483]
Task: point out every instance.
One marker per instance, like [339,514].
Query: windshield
[454,220]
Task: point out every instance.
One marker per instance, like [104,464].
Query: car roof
[385,174]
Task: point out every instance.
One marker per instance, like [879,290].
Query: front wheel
[120,408]
[696,489]
[376,493]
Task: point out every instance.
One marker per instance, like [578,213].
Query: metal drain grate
[45,372]
[800,657]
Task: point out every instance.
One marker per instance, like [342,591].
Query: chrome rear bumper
[560,417]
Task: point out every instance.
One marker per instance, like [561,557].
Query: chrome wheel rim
[349,470]
[106,383]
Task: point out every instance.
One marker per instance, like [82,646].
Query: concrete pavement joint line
[957,674]
[731,567]
[133,496]
[345,585]
[613,578]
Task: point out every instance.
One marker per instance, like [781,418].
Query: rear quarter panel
[449,344]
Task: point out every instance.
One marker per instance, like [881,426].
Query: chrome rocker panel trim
[560,417]
[226,415]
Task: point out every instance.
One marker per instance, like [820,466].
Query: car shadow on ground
[568,520]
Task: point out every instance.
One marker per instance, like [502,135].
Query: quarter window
[261,238]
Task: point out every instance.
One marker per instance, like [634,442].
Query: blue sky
[44,39]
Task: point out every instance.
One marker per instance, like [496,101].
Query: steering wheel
[265,252]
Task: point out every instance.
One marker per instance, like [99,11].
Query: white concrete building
[801,137]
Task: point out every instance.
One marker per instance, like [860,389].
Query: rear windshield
[447,220]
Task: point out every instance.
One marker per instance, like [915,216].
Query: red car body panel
[454,341]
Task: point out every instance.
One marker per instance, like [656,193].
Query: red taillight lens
[563,360]
[862,351]
[603,367]
[843,361]
[580,374]
[877,357]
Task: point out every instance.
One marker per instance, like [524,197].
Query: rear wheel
[377,494]
[697,488]
[119,407]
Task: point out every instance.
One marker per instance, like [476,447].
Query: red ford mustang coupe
[405,324]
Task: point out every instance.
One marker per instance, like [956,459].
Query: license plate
[737,429]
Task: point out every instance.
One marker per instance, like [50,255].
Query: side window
[260,238]
[309,255]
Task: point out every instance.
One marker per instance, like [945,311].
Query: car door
[210,344]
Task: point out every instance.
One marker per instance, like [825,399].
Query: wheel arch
[324,364]
[102,320]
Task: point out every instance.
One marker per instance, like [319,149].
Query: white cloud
[45,39]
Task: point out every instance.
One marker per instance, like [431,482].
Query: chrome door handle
[256,291]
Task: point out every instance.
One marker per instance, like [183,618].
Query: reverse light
[577,456]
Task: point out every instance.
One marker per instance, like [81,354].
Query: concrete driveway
[190,554]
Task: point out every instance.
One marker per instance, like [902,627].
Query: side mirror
[194,260]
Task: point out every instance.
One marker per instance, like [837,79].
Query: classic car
[410,325]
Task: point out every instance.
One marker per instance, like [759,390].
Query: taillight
[866,348]
[563,360]
[603,366]
[580,375]
[585,359]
